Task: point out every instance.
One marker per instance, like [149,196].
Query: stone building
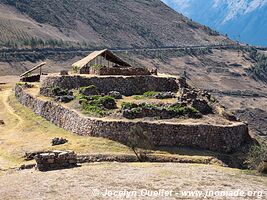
[104,62]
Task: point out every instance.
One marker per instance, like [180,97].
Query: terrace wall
[126,85]
[221,138]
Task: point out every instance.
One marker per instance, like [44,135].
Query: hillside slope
[242,20]
[99,23]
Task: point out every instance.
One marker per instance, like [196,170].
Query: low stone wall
[222,138]
[126,85]
[125,71]
[56,160]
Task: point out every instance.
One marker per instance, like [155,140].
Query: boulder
[115,94]
[58,141]
[64,99]
[64,73]
[2,122]
[229,116]
[202,106]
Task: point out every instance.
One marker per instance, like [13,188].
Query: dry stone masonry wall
[221,138]
[126,85]
[56,160]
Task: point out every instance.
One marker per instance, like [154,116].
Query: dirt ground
[140,180]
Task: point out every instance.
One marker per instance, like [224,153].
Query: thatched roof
[108,55]
[34,68]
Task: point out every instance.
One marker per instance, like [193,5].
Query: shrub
[57,91]
[89,90]
[128,105]
[97,104]
[108,102]
[139,138]
[75,69]
[257,153]
[182,110]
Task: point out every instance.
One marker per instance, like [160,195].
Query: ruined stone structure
[221,138]
[55,160]
[126,85]
[105,62]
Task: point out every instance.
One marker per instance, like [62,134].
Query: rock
[64,99]
[229,116]
[202,106]
[2,122]
[132,113]
[27,166]
[115,94]
[262,168]
[64,73]
[89,90]
[59,141]
[165,95]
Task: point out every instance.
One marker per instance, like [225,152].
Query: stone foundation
[126,85]
[221,138]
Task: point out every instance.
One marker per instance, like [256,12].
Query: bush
[57,91]
[97,104]
[257,153]
[132,111]
[128,105]
[89,90]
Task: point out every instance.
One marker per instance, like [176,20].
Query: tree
[138,138]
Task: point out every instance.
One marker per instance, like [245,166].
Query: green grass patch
[150,94]
[97,105]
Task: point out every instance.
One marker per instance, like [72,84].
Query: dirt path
[93,180]
[8,109]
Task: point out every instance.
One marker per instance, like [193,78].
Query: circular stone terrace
[212,131]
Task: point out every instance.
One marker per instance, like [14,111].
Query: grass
[97,105]
[30,133]
[150,94]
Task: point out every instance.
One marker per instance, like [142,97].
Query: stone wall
[125,71]
[222,138]
[126,85]
[55,160]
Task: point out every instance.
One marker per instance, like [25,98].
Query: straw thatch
[108,55]
[34,68]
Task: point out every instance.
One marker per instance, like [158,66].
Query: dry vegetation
[99,23]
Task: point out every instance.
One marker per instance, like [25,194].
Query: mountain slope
[244,20]
[113,23]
